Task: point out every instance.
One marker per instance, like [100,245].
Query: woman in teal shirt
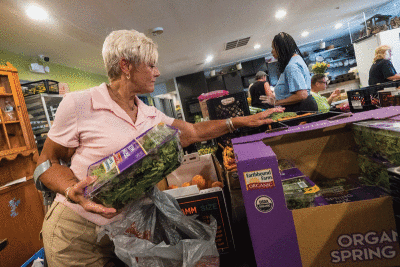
[293,88]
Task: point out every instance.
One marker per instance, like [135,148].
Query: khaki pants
[70,240]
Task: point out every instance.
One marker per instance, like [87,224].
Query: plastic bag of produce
[136,168]
[301,192]
[156,233]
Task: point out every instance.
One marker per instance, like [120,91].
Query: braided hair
[286,47]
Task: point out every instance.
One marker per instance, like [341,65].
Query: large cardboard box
[361,233]
[203,203]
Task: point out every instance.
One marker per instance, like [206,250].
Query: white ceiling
[192,29]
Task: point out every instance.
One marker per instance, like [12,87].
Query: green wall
[75,78]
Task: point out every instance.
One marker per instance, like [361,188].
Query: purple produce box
[319,149]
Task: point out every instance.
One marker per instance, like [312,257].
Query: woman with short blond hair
[92,124]
[382,69]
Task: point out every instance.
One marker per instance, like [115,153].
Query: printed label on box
[261,179]
[360,247]
[264,204]
[211,204]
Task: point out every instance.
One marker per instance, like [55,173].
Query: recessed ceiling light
[257,46]
[37,13]
[280,14]
[305,33]
[338,25]
[209,59]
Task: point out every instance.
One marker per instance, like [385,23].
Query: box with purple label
[136,168]
[278,167]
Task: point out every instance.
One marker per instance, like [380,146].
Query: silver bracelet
[228,124]
[231,123]
[66,194]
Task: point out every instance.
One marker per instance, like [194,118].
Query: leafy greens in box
[379,138]
[133,170]
[299,192]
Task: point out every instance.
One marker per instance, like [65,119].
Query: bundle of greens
[299,201]
[280,115]
[296,191]
[374,171]
[379,139]
[254,110]
[122,178]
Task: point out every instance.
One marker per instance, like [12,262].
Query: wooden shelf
[5,95]
[11,154]
[10,122]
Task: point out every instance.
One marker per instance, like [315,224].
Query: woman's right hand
[76,194]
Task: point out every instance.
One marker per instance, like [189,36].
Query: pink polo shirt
[97,126]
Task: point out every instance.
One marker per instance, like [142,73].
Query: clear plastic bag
[156,233]
[133,170]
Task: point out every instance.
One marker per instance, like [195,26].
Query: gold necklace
[112,91]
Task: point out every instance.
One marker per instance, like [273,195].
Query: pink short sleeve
[164,118]
[64,130]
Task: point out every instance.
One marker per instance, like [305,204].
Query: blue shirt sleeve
[295,78]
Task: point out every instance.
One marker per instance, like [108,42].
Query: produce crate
[389,98]
[233,105]
[364,99]
[204,97]
[41,86]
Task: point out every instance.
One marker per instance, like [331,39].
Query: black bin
[229,106]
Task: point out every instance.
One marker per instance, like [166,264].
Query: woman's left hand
[261,118]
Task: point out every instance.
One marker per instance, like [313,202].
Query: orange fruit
[186,184]
[199,181]
[217,184]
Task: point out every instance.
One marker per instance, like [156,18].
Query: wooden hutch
[21,205]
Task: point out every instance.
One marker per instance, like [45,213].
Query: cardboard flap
[195,165]
[332,123]
[190,158]
[183,191]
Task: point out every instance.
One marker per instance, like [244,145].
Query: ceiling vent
[237,43]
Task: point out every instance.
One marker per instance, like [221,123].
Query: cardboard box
[204,202]
[211,202]
[204,109]
[361,233]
